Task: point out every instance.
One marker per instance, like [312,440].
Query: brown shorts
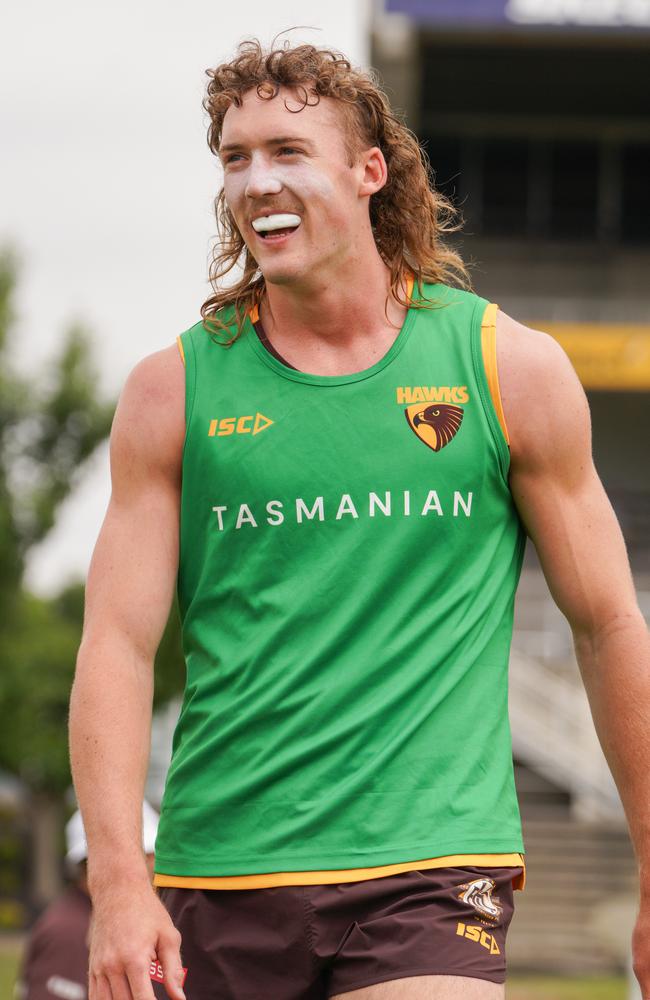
[310,942]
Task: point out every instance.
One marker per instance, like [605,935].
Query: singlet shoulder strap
[181,349]
[489,347]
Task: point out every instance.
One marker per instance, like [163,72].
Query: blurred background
[535,115]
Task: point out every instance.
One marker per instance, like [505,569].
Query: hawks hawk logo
[435,425]
[478,894]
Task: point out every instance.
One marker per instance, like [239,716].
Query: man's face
[282,162]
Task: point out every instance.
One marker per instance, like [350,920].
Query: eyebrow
[281,140]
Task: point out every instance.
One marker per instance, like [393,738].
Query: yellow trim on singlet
[489,345]
[270,879]
[180,348]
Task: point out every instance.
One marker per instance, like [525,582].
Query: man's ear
[375,171]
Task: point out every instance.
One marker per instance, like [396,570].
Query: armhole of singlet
[489,348]
[188,357]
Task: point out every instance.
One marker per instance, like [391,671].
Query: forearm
[615,666]
[110,727]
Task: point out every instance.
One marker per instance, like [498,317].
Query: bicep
[579,543]
[131,577]
[133,569]
[557,490]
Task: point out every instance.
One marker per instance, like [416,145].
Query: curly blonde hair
[409,217]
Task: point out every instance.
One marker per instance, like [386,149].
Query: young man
[341,463]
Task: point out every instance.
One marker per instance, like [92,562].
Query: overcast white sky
[107,182]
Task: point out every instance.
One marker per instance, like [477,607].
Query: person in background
[55,963]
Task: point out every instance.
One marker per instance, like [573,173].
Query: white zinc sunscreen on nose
[301,180]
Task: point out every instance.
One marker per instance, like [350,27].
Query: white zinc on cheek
[301,180]
[305,181]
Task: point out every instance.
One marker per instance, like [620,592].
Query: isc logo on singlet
[239,425]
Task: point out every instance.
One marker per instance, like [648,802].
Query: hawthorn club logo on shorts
[432,412]
[478,893]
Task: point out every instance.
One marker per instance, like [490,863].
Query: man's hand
[641,948]
[131,929]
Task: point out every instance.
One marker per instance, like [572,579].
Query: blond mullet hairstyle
[409,217]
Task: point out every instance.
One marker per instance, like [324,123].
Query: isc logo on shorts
[479,935]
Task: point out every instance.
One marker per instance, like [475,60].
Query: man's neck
[334,321]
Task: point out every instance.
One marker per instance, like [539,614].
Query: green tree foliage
[37,671]
[50,423]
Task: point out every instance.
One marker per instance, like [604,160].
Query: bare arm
[579,542]
[128,597]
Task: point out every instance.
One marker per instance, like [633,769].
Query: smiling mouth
[276,234]
[276,226]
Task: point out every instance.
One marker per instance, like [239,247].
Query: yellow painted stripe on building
[180,348]
[269,879]
[489,346]
[607,356]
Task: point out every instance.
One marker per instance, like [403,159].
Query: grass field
[519,988]
[9,955]
[549,988]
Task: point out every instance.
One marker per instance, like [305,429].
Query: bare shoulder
[149,425]
[543,401]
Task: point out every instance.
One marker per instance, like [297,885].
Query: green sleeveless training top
[349,554]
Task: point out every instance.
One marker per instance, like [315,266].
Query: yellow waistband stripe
[489,345]
[268,880]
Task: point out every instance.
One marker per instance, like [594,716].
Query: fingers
[131,984]
[99,988]
[140,984]
[169,956]
[119,987]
